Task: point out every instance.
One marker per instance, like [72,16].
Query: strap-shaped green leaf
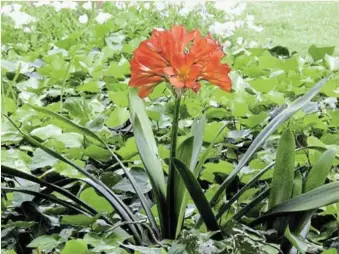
[297,184]
[318,173]
[188,153]
[148,151]
[197,131]
[172,205]
[318,197]
[298,242]
[198,197]
[184,154]
[153,169]
[137,108]
[283,175]
[315,178]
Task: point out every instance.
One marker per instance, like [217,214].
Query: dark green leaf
[198,197]
[321,196]
[77,220]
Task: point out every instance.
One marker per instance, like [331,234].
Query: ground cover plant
[153,127]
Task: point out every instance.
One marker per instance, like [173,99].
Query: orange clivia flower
[183,59]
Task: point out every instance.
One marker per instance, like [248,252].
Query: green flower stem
[172,217]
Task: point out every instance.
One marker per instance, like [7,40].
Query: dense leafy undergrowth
[81,72]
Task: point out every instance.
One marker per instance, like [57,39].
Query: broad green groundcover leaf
[77,220]
[107,241]
[318,53]
[77,246]
[45,243]
[17,159]
[98,203]
[118,117]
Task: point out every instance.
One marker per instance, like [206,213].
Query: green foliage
[44,242]
[85,160]
[75,246]
[282,180]
[98,203]
[198,197]
[319,172]
[318,53]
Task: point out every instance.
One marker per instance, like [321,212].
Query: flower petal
[176,82]
[144,91]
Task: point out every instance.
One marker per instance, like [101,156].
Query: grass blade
[267,131]
[226,206]
[198,197]
[80,129]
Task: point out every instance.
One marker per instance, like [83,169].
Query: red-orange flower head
[183,59]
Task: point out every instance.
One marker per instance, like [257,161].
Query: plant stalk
[172,217]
